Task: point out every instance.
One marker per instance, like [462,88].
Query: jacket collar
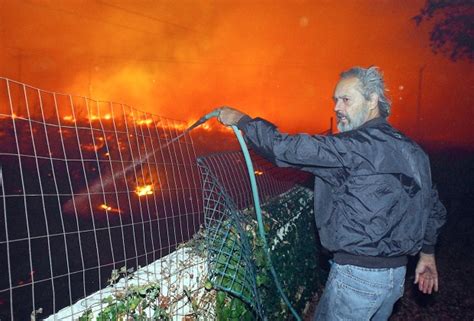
[373,122]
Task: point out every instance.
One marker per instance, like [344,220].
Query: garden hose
[258,212]
[256,200]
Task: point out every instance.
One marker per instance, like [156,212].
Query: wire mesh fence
[91,191]
[230,220]
[87,187]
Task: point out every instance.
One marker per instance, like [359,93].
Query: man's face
[351,108]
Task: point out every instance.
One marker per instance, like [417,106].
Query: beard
[353,121]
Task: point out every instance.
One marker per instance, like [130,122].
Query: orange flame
[108,208]
[95,117]
[176,126]
[69,118]
[94,147]
[105,207]
[146,122]
[144,190]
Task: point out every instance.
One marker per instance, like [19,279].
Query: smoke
[177,59]
[180,59]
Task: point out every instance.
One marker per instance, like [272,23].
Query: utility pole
[419,130]
[89,87]
[20,64]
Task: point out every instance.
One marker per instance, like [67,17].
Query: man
[373,198]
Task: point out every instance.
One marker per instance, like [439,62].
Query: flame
[144,190]
[94,147]
[210,126]
[206,127]
[176,126]
[185,125]
[95,117]
[108,208]
[69,118]
[105,207]
[258,173]
[90,147]
[146,122]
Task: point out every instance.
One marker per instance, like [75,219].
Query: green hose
[258,212]
[256,201]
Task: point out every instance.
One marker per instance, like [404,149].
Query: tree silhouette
[453,27]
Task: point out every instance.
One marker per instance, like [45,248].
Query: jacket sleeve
[436,219]
[302,150]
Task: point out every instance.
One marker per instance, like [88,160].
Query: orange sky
[275,59]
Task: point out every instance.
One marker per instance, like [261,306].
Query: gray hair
[371,82]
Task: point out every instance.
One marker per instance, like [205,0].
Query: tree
[453,27]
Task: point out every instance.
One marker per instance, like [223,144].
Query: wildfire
[179,126]
[144,190]
[258,173]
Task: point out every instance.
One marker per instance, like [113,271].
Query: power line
[99,58]
[146,16]
[91,18]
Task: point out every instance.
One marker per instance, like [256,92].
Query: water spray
[82,199]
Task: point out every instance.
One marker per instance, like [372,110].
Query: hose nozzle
[205,118]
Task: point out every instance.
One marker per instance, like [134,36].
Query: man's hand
[426,275]
[229,116]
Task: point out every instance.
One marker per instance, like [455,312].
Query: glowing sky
[275,59]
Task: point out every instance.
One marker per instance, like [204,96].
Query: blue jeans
[358,293]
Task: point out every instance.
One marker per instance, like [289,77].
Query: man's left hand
[426,275]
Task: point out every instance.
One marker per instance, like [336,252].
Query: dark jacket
[373,198]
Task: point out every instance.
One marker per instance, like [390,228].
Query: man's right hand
[229,116]
[426,275]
